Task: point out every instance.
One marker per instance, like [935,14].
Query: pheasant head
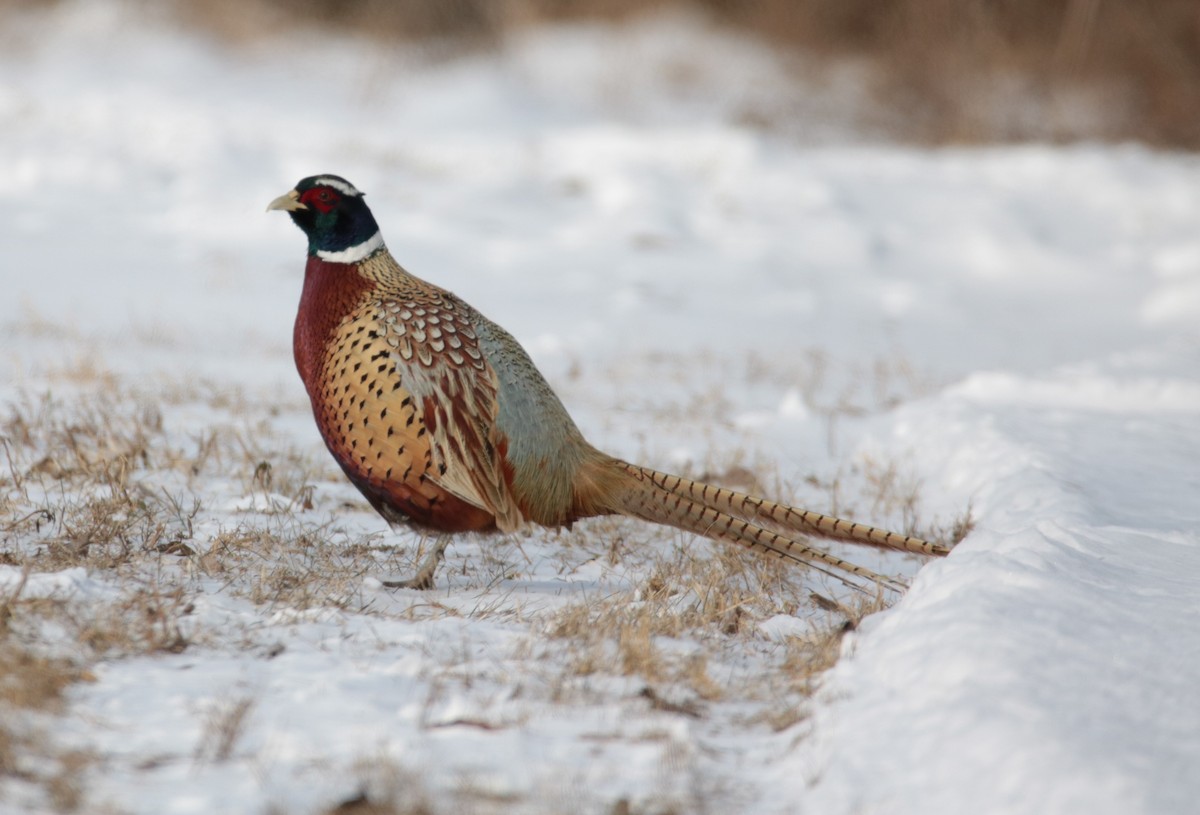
[334,216]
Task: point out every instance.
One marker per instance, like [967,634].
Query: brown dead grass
[223,729]
[716,598]
[719,595]
[94,478]
[105,478]
[33,684]
[951,70]
[873,488]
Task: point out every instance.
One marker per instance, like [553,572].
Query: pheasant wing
[427,400]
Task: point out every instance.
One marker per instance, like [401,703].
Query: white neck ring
[354,254]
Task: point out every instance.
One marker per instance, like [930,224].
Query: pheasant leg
[423,579]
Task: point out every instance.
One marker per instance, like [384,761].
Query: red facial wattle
[322,199]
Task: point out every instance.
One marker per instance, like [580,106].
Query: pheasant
[443,422]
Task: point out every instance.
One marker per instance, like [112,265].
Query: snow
[1068,679]
[1019,326]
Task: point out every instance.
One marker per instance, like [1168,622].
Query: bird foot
[423,579]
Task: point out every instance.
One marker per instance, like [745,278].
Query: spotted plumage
[443,422]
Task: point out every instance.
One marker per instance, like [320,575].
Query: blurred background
[932,71]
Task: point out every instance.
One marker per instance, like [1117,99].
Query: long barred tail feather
[762,526]
[768,513]
[645,498]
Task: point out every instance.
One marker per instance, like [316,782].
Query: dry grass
[696,609]
[719,596]
[871,488]
[96,480]
[223,729]
[970,70]
[112,479]
[32,684]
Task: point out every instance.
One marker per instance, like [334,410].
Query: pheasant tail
[762,526]
[783,517]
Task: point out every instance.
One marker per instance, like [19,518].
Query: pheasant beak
[289,202]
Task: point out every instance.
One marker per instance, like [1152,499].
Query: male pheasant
[443,422]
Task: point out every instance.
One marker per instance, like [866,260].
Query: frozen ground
[1010,330]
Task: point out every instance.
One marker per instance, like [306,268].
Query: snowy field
[909,337]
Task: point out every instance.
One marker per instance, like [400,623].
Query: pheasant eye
[323,198]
